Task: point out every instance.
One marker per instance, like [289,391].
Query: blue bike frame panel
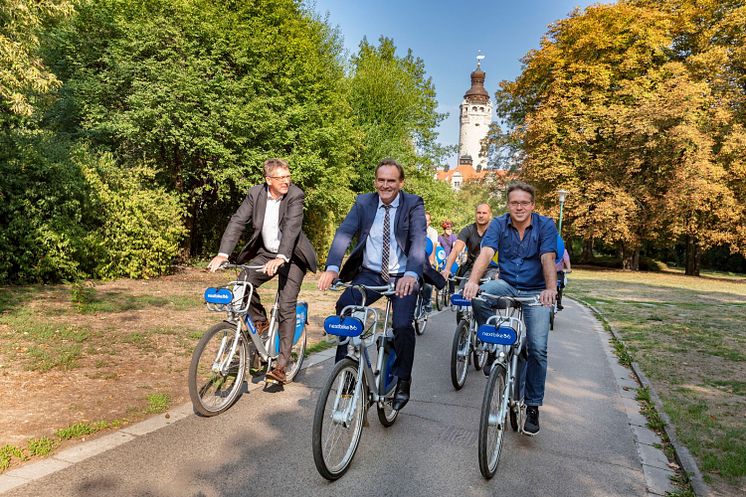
[301,318]
[500,335]
[218,296]
[343,326]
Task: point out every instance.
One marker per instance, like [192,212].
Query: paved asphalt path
[262,445]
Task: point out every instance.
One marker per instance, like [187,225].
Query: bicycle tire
[459,360]
[213,392]
[551,318]
[297,354]
[478,357]
[421,318]
[445,296]
[331,461]
[436,298]
[491,429]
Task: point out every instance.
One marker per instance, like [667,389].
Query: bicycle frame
[238,315]
[361,344]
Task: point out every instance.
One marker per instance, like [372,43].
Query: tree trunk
[635,263]
[587,254]
[693,256]
[624,256]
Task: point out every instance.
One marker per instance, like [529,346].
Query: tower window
[481,109]
[476,124]
[474,108]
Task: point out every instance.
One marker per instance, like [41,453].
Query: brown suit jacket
[294,244]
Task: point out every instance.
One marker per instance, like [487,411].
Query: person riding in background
[447,239]
[527,244]
[470,237]
[427,289]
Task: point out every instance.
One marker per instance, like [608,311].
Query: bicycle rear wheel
[215,378]
[338,420]
[420,316]
[460,355]
[491,426]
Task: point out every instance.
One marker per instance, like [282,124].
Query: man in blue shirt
[526,243]
[389,225]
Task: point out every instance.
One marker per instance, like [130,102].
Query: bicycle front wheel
[297,354]
[215,375]
[338,420]
[491,423]
[437,299]
[460,355]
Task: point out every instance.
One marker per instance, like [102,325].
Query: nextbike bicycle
[466,345]
[227,349]
[505,334]
[355,383]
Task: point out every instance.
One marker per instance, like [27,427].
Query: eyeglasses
[515,204]
[281,178]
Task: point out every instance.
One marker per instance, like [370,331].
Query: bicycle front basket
[500,335]
[343,326]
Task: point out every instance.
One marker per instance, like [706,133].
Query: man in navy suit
[390,229]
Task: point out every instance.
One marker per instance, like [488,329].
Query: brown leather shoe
[278,374]
[261,326]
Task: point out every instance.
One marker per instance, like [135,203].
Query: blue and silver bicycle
[505,336]
[355,383]
[222,355]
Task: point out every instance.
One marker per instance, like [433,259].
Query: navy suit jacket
[409,228]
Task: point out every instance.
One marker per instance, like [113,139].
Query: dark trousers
[403,315]
[290,278]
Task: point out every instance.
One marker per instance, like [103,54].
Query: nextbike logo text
[340,326]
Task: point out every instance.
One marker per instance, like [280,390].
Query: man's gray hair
[271,164]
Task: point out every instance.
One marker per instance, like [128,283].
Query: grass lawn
[689,337]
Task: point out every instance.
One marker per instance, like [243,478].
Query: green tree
[394,104]
[21,68]
[205,91]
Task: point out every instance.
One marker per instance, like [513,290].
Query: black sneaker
[531,425]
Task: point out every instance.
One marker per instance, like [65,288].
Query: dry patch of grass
[688,336]
[106,354]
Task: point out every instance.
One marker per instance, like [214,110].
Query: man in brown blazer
[274,211]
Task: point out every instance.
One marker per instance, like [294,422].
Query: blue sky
[447,35]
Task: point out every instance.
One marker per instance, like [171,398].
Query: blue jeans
[532,373]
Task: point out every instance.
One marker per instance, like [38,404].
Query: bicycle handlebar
[530,301]
[385,290]
[228,265]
